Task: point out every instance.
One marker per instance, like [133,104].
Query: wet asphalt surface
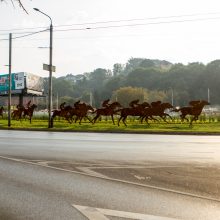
[35,192]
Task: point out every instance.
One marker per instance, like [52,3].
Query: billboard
[21,83]
[17,83]
[34,82]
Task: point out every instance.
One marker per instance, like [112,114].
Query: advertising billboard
[17,83]
[34,82]
[21,83]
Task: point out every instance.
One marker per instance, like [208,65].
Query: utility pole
[57,100]
[90,97]
[50,124]
[9,80]
[208,96]
[172,96]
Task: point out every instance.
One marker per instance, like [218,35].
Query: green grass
[202,126]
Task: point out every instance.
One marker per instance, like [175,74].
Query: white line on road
[112,179]
[100,214]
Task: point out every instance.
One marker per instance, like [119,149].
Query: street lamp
[50,124]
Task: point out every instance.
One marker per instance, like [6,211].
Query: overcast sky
[80,50]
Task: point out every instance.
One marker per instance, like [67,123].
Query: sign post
[47,67]
[51,69]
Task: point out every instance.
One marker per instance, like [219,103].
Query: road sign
[47,67]
[101,214]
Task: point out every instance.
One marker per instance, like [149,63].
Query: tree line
[142,79]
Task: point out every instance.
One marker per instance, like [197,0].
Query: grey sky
[80,51]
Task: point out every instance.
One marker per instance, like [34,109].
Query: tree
[68,100]
[155,95]
[117,69]
[141,77]
[125,95]
[132,64]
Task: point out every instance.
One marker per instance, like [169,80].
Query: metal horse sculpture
[28,112]
[17,113]
[1,111]
[110,110]
[136,109]
[195,109]
[82,110]
[156,109]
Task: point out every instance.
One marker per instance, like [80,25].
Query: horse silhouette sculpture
[17,113]
[28,112]
[1,111]
[105,103]
[135,109]
[81,111]
[156,109]
[109,110]
[195,109]
[64,111]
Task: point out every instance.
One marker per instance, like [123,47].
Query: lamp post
[9,81]
[50,124]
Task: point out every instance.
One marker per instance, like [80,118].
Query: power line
[137,24]
[110,21]
[17,33]
[139,19]
[26,35]
[117,26]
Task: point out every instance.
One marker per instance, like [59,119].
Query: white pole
[208,95]
[90,98]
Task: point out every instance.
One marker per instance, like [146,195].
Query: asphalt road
[29,191]
[110,147]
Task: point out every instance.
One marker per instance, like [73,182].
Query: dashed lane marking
[101,214]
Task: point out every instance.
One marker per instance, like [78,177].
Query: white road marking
[90,171]
[100,214]
[112,179]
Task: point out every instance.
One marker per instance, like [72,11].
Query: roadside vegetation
[203,125]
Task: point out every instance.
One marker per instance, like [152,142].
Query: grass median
[133,126]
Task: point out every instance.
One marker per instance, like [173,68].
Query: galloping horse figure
[64,111]
[1,111]
[82,110]
[17,113]
[133,111]
[29,111]
[195,110]
[107,111]
[157,109]
[134,103]
[105,103]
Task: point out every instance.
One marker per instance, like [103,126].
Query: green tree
[156,95]
[69,100]
[132,64]
[146,78]
[117,69]
[125,95]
